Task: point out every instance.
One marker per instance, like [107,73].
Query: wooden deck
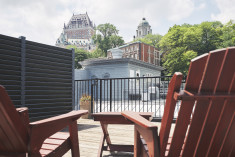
[90,134]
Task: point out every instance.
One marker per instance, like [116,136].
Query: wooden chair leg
[73,130]
[100,151]
[106,133]
[137,143]
[105,137]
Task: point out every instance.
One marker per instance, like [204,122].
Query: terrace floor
[90,134]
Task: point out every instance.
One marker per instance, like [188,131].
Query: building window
[158,62]
[135,55]
[138,73]
[148,75]
[106,75]
[93,77]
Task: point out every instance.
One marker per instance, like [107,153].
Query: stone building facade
[78,31]
[140,51]
[143,29]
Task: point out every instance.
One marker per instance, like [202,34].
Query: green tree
[107,29]
[151,39]
[192,38]
[107,37]
[184,42]
[210,36]
[97,53]
[228,35]
[116,40]
[79,55]
[187,56]
[173,39]
[178,60]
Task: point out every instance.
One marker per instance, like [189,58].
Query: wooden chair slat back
[226,84]
[228,145]
[207,85]
[169,111]
[192,83]
[200,126]
[223,86]
[13,134]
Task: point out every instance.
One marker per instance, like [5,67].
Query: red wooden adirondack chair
[206,120]
[18,137]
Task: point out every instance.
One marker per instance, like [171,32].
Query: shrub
[85,98]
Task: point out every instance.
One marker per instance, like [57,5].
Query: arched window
[106,75]
[93,77]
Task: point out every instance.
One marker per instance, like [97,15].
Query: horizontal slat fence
[37,76]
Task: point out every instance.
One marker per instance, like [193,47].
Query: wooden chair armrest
[73,115]
[42,129]
[22,109]
[24,116]
[148,131]
[136,118]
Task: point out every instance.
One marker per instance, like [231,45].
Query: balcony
[139,94]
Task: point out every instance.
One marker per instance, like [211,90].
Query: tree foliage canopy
[81,55]
[184,42]
[151,39]
[107,37]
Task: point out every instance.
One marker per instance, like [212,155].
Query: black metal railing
[140,94]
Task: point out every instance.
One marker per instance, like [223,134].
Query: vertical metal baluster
[92,96]
[147,94]
[114,93]
[121,95]
[88,87]
[160,99]
[85,88]
[143,94]
[104,101]
[155,95]
[135,95]
[80,93]
[139,94]
[101,95]
[128,92]
[110,98]
[117,94]
[124,94]
[151,94]
[77,96]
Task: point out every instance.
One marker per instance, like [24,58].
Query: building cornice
[132,43]
[94,62]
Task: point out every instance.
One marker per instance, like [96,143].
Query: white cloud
[179,9]
[202,6]
[226,11]
[42,21]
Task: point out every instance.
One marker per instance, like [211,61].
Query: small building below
[116,68]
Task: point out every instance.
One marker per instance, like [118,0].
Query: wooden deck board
[90,134]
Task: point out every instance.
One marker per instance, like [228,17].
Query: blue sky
[42,21]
